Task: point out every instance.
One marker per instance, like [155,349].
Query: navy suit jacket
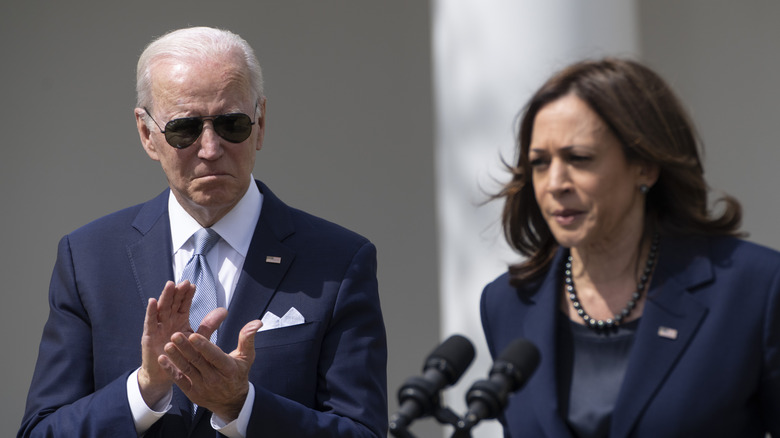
[718,377]
[324,378]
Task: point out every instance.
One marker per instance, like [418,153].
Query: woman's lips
[566,216]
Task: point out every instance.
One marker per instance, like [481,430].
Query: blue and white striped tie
[197,271]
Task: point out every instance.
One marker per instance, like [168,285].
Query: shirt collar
[236,227]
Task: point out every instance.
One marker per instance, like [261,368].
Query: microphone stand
[446,416]
[441,414]
[463,428]
[400,432]
[461,433]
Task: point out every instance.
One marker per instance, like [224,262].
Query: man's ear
[260,124]
[145,134]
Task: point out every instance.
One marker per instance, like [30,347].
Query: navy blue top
[591,372]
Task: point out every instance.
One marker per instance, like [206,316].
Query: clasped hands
[172,352]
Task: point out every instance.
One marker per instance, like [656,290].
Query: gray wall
[349,134]
[349,138]
[723,60]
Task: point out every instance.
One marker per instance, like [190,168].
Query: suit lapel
[151,260]
[541,328]
[267,261]
[151,256]
[670,320]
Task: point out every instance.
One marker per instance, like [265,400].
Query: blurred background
[388,117]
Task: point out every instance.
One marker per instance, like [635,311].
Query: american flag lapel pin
[273,259]
[667,332]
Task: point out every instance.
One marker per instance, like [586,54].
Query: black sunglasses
[183,132]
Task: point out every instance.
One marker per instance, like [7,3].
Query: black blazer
[706,357]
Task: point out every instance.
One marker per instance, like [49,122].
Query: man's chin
[214,190]
[214,199]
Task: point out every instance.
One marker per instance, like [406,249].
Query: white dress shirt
[225,260]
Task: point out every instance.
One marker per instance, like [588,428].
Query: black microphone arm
[487,398]
[419,396]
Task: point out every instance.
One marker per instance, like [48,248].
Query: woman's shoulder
[725,252]
[747,246]
[530,285]
[741,249]
[504,284]
[505,294]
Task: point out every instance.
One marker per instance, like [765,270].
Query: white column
[489,57]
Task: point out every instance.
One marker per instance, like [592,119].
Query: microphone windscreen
[452,357]
[519,359]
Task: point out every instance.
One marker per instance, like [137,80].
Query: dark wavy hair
[651,125]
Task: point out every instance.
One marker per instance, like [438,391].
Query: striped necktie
[197,271]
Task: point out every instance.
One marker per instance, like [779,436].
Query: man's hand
[164,317]
[210,378]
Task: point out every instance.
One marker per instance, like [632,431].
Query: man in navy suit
[300,347]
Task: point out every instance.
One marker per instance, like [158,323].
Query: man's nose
[210,142]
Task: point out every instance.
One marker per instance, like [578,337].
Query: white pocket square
[271,321]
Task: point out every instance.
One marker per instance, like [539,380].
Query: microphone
[487,398]
[419,396]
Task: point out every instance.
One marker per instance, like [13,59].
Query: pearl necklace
[610,323]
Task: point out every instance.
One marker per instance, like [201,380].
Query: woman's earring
[643,189]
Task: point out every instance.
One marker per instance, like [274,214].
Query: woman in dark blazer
[652,317]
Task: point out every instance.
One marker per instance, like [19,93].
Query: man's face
[210,176]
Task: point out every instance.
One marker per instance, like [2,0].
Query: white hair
[194,43]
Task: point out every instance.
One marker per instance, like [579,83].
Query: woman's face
[586,190]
